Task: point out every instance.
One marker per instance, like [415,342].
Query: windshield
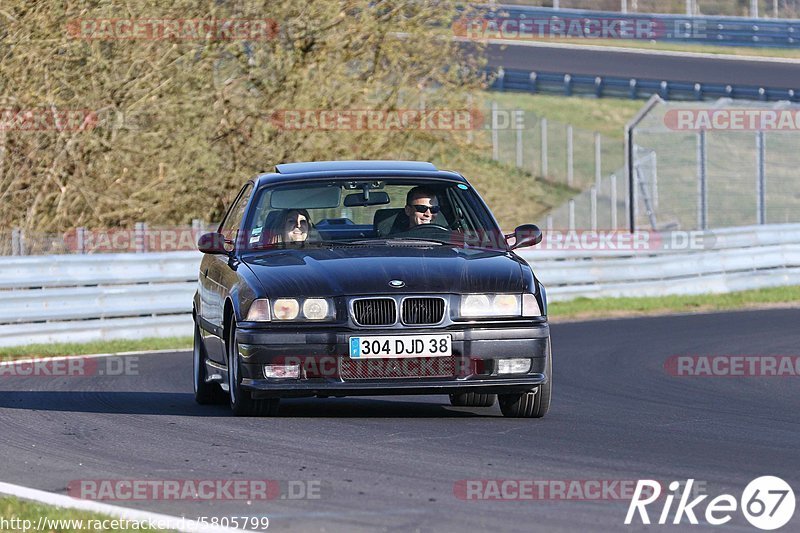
[368,212]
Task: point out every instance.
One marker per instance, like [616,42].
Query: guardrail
[727,31]
[69,298]
[570,84]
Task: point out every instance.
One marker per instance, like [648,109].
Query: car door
[216,279]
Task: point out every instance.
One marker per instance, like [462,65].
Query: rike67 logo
[767,503]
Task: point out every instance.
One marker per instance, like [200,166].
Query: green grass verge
[620,307]
[138,345]
[603,115]
[16,511]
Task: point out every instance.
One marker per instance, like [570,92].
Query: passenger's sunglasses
[422,208]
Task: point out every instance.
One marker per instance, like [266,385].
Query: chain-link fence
[550,150]
[701,165]
[139,239]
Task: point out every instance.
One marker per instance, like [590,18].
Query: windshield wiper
[406,241]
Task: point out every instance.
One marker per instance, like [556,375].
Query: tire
[472,399]
[205,393]
[534,404]
[241,401]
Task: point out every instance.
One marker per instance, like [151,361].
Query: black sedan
[354,278]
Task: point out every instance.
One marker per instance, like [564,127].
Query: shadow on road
[182,404]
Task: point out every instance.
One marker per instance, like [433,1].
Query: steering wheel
[432,227]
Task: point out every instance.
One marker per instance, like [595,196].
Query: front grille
[418,311]
[375,312]
[406,367]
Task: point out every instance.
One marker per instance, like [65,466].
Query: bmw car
[364,278]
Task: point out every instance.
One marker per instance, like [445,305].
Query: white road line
[170,522]
[642,51]
[32,360]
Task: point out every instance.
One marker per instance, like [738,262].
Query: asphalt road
[391,463]
[641,65]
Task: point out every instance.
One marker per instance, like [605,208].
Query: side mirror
[212,243]
[526,235]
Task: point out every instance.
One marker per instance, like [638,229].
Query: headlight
[489,305]
[286,309]
[316,309]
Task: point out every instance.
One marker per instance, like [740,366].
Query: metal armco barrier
[728,31]
[68,298]
[570,84]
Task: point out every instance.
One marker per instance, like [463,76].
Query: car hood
[369,269]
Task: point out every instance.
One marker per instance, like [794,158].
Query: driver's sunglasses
[422,208]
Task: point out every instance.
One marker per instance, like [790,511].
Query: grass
[607,116]
[15,512]
[114,346]
[585,308]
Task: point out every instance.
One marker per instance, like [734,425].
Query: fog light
[282,371]
[513,366]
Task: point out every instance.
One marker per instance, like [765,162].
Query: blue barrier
[569,84]
[728,31]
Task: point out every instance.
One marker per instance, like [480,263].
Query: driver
[422,206]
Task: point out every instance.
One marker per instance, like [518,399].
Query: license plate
[381,346]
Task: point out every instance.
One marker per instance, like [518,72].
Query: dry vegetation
[181,123]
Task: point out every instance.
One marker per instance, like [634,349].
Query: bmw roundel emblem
[397,283]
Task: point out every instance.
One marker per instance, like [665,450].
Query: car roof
[293,172]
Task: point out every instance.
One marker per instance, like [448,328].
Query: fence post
[519,147]
[545,170]
[501,79]
[16,241]
[614,202]
[761,178]
[572,215]
[139,237]
[598,159]
[593,193]
[470,138]
[80,237]
[654,159]
[702,189]
[495,143]
[570,157]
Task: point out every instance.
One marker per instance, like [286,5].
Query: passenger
[291,226]
[296,224]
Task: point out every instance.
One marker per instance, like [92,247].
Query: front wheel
[472,399]
[533,404]
[241,401]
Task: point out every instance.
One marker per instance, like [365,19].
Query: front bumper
[326,369]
